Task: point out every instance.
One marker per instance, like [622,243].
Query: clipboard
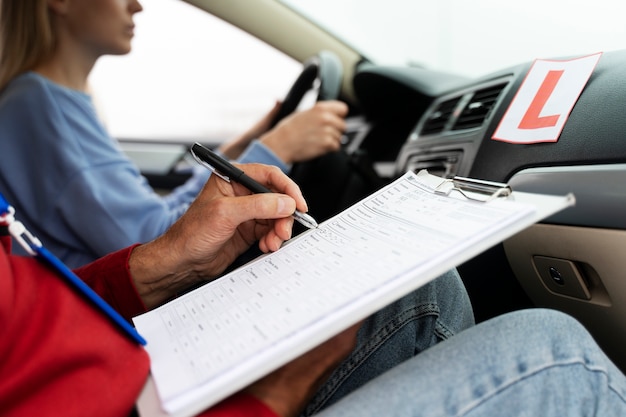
[406,234]
[470,188]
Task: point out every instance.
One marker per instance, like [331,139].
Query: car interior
[411,118]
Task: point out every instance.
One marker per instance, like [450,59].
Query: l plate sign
[545,99]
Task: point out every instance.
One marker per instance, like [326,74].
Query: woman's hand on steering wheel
[308,134]
[301,136]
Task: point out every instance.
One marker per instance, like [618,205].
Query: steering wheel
[335,180]
[323,72]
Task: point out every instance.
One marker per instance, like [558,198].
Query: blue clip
[17,229]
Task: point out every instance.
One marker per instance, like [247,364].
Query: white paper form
[217,339]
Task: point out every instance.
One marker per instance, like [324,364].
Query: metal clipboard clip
[473,189]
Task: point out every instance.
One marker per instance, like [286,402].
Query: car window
[190,76]
[470,38]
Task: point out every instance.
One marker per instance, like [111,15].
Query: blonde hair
[27,37]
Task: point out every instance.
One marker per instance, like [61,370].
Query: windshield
[470,38]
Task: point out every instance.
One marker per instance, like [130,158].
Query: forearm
[232,150]
[157,273]
[137,278]
[260,153]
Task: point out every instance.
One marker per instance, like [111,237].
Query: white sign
[545,99]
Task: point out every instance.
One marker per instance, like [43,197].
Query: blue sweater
[70,182]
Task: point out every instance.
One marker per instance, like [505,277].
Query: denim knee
[417,321]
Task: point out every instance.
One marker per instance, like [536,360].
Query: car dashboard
[413,119]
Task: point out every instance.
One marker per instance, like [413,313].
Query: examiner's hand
[308,134]
[222,222]
[288,390]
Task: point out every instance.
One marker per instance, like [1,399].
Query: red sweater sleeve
[109,276]
[59,354]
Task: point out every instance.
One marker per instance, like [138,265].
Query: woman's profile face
[101,27]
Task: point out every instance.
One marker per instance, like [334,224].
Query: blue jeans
[529,363]
[398,332]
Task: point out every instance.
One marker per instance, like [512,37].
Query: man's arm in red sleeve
[110,277]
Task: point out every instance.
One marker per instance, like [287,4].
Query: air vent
[477,109]
[437,120]
[444,165]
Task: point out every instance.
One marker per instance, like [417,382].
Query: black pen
[228,172]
